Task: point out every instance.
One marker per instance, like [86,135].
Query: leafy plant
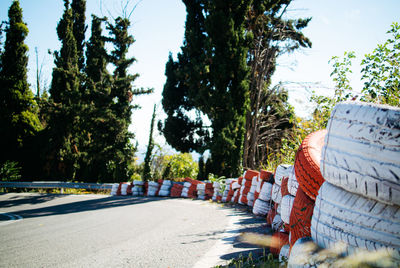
[381,71]
[10,171]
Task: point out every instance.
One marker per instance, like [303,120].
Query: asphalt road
[102,231]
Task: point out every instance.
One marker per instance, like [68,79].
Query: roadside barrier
[344,185]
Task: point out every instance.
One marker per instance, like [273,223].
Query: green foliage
[211,79]
[147,159]
[18,110]
[79,28]
[343,90]
[10,171]
[179,166]
[381,71]
[264,261]
[65,105]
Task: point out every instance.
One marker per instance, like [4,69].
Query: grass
[265,261]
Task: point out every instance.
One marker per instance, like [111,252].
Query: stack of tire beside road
[359,202]
[344,185]
[248,188]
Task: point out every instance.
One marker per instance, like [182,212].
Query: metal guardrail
[56,184]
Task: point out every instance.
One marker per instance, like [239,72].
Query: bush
[10,171]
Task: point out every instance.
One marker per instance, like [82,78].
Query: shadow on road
[74,207]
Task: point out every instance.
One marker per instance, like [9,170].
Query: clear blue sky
[158,26]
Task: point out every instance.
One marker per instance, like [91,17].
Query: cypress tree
[122,94]
[100,122]
[65,104]
[79,28]
[212,70]
[18,110]
[150,146]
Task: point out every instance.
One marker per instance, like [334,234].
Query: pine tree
[65,104]
[150,146]
[18,110]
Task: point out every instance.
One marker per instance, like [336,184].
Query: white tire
[253,188]
[362,150]
[276,194]
[284,253]
[187,184]
[281,172]
[261,208]
[278,209]
[167,183]
[151,193]
[235,185]
[286,208]
[355,220]
[201,192]
[201,186]
[164,193]
[250,197]
[277,223]
[138,183]
[265,193]
[293,184]
[300,255]
[153,184]
[165,187]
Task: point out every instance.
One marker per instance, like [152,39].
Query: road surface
[101,231]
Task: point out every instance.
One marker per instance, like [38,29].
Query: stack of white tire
[281,172]
[152,188]
[263,203]
[165,189]
[217,191]
[226,190]
[124,188]
[185,189]
[114,188]
[359,202]
[137,189]
[250,194]
[201,191]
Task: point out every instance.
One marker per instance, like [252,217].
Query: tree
[18,110]
[79,28]
[179,166]
[210,78]
[223,75]
[101,124]
[150,146]
[65,109]
[268,116]
[122,94]
[381,70]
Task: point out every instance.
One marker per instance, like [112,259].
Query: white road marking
[13,218]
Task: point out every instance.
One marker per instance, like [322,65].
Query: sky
[158,28]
